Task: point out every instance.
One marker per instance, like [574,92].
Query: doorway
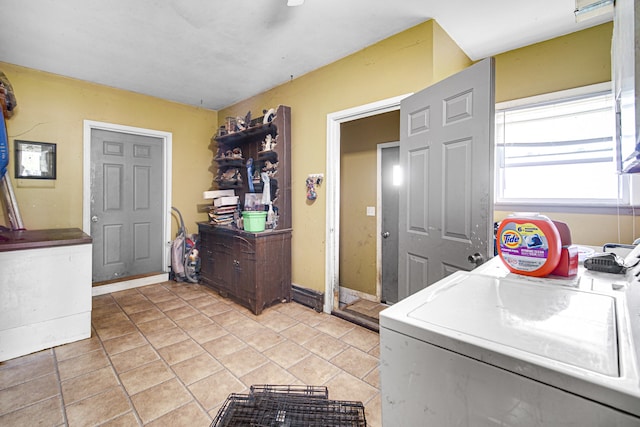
[361,211]
[370,261]
[334,123]
[158,248]
[467,202]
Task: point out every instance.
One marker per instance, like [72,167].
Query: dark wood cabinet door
[223,257]
[206,256]
[253,269]
[244,270]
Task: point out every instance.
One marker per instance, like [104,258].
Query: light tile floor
[170,354]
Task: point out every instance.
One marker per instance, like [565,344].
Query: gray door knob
[476,259]
[385,234]
[94,218]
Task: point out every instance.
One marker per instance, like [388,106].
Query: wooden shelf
[253,269]
[257,131]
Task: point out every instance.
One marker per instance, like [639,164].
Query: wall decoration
[35,160]
[312,181]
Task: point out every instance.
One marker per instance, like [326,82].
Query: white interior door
[126,204]
[447,156]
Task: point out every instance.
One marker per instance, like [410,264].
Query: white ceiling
[212,53]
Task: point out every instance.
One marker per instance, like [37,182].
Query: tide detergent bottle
[529,244]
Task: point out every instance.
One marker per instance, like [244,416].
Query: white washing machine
[491,348]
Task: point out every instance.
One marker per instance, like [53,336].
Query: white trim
[379,216]
[129,284]
[554,96]
[334,120]
[167,140]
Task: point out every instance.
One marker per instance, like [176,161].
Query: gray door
[446,153]
[390,196]
[126,204]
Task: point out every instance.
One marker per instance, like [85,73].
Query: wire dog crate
[288,406]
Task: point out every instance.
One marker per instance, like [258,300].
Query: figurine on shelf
[243,123]
[240,124]
[250,173]
[269,115]
[272,217]
[270,167]
[229,157]
[268,143]
[230,177]
[256,177]
[236,153]
[231,125]
[220,154]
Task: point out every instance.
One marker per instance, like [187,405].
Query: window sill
[574,208]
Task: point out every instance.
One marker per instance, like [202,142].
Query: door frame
[379,149]
[332,239]
[166,137]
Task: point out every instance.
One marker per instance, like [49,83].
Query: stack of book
[223,207]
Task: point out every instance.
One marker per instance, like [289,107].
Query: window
[558,149]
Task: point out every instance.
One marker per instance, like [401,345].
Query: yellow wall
[52,108]
[574,60]
[398,65]
[594,230]
[578,59]
[358,177]
[405,63]
[448,58]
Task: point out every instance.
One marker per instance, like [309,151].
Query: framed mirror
[35,160]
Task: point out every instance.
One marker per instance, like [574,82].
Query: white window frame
[628,185]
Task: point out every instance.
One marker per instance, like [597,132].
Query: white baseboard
[27,339]
[129,284]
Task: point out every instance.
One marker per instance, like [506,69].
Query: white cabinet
[45,290]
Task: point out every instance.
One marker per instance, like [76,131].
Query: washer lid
[559,323]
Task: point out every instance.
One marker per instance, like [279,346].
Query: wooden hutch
[253,269]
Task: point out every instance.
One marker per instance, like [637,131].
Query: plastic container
[529,244]
[254,221]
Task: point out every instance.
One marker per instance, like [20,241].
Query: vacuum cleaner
[185,259]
